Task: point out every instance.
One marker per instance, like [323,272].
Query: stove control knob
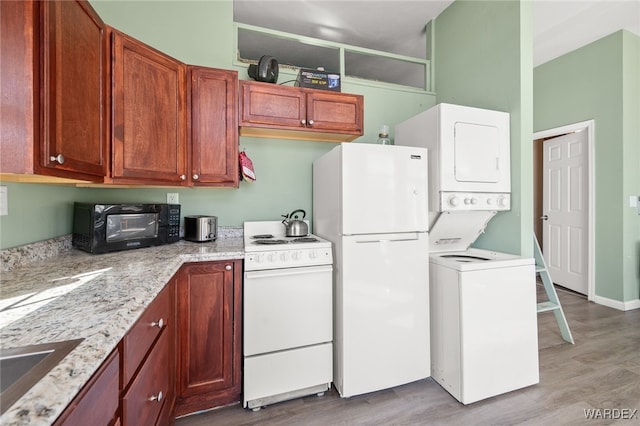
[272,257]
[295,255]
[312,255]
[453,201]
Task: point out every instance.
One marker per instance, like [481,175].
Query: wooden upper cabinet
[213,127]
[74,90]
[55,76]
[333,111]
[19,86]
[149,127]
[268,110]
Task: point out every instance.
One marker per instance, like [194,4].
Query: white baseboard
[616,304]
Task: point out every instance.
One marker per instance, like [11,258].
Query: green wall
[601,81]
[201,33]
[483,58]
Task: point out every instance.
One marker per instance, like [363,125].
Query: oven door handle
[287,272]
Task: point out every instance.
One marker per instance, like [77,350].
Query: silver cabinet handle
[157,397]
[58,158]
[228,267]
[195,176]
[545,217]
[183,177]
[310,122]
[303,121]
[158,324]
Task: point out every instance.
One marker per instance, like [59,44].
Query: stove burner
[262,236]
[305,240]
[267,241]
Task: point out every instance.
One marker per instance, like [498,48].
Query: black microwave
[102,228]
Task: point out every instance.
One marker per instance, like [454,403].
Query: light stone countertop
[95,297]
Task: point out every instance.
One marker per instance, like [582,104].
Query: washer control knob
[453,201]
[467,201]
[502,201]
[474,201]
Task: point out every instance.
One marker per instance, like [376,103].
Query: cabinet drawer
[97,402]
[150,388]
[137,342]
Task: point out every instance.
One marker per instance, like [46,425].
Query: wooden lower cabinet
[148,364]
[97,403]
[181,356]
[209,300]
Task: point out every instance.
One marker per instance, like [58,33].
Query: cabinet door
[97,403]
[18,85]
[214,127]
[340,112]
[149,132]
[74,91]
[143,401]
[209,325]
[267,104]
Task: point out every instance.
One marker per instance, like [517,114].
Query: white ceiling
[398,26]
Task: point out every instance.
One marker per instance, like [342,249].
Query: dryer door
[476,153]
[474,150]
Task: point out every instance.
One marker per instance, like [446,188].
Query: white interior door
[565,210]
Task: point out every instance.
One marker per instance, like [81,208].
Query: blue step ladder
[553,302]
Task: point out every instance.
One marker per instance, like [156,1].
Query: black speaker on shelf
[266,70]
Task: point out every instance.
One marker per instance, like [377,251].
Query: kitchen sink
[23,367]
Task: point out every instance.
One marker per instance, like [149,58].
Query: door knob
[545,217]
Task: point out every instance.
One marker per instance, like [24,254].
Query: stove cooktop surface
[269,235]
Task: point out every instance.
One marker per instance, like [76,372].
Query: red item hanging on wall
[246,168]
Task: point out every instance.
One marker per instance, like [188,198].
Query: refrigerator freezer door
[382,312]
[384,189]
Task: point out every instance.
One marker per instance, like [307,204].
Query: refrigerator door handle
[386,241]
[390,238]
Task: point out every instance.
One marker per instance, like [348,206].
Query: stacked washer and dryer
[484,339]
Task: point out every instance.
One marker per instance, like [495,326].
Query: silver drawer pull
[158,324]
[157,397]
[228,267]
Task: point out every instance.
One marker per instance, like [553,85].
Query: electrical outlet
[4,201]
[172,198]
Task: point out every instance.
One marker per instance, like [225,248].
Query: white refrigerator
[371,202]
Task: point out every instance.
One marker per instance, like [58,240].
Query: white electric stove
[287,314]
[267,247]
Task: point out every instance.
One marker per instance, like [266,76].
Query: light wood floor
[601,371]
